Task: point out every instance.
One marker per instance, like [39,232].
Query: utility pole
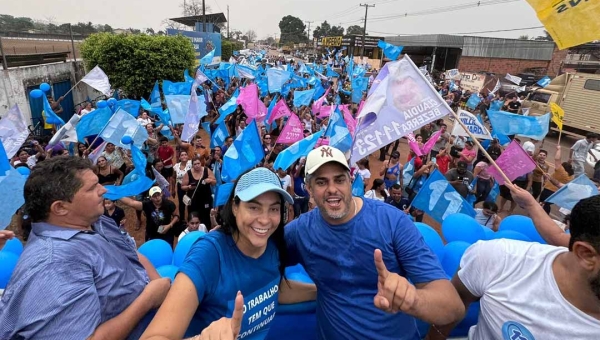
[366,6]
[309,22]
[204,16]
[72,42]
[228,22]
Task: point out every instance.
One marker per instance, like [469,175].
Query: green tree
[226,50]
[523,37]
[354,30]
[292,30]
[322,30]
[336,31]
[134,62]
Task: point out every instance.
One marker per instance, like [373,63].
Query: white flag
[453,74]
[514,79]
[13,131]
[473,124]
[67,132]
[97,79]
[497,87]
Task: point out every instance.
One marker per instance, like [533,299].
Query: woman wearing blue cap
[230,280]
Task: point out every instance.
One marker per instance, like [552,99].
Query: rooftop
[213,18]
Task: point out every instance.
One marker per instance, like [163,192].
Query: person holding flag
[361,254]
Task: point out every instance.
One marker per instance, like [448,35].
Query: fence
[41,36]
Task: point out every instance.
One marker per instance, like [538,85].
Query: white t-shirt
[286,182]
[519,294]
[31,161]
[202,227]
[371,194]
[85,112]
[486,221]
[144,122]
[581,149]
[365,173]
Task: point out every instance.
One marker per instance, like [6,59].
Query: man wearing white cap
[361,254]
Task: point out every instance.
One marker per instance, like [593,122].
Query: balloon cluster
[461,231]
[9,256]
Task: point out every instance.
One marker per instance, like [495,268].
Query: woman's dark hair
[229,226]
[377,183]
[156,161]
[80,153]
[192,215]
[490,205]
[56,179]
[568,168]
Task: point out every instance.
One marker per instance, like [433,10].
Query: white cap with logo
[324,154]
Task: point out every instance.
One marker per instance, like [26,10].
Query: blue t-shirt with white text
[219,270]
[340,260]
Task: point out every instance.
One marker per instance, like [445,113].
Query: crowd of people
[373,273]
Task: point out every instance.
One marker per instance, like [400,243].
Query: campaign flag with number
[439,199]
[403,102]
[474,126]
[292,131]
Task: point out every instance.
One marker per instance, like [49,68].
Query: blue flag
[93,123]
[223,192]
[491,197]
[245,152]
[186,75]
[208,58]
[438,199]
[51,117]
[358,186]
[276,78]
[218,137]
[473,101]
[129,105]
[576,190]
[319,91]
[294,152]
[331,73]
[155,94]
[496,105]
[11,190]
[171,88]
[408,171]
[229,107]
[535,127]
[273,125]
[137,181]
[389,50]
[544,82]
[359,85]
[338,133]
[123,124]
[303,98]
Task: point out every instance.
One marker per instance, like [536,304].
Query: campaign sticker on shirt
[259,311]
[512,330]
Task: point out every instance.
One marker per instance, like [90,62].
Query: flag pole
[74,86]
[485,153]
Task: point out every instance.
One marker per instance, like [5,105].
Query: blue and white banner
[535,127]
[576,190]
[544,81]
[473,124]
[13,131]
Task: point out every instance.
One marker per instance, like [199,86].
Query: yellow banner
[557,115]
[331,41]
[569,22]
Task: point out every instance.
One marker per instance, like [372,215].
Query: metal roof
[432,40]
[213,18]
[481,46]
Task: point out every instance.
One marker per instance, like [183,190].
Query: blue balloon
[158,252]
[184,245]
[453,253]
[521,224]
[45,87]
[489,233]
[169,271]
[36,94]
[511,235]
[23,170]
[126,140]
[101,104]
[432,238]
[297,273]
[461,227]
[112,102]
[14,246]
[8,262]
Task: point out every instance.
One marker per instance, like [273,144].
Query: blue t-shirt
[219,270]
[339,259]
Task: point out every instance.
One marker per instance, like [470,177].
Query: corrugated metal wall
[507,48]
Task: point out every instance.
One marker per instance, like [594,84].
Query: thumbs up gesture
[394,293]
[226,328]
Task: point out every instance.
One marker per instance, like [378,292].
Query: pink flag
[325,111]
[292,132]
[280,110]
[360,107]
[261,115]
[316,106]
[94,155]
[514,162]
[248,98]
[431,142]
[414,146]
[350,122]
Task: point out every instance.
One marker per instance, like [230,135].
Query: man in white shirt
[579,152]
[531,291]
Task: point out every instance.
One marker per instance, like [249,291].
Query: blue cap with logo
[258,181]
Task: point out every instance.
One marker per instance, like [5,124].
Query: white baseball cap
[322,155]
[154,190]
[529,147]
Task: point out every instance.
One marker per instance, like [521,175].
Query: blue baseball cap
[258,181]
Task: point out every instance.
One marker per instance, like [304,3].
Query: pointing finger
[381,268]
[238,312]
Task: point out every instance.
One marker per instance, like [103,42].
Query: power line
[342,13]
[492,31]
